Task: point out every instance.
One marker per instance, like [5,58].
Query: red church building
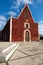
[22,28]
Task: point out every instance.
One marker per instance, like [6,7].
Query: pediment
[25,12]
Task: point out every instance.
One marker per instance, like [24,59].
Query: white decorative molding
[11,29]
[26,23]
[27,20]
[29,35]
[38,32]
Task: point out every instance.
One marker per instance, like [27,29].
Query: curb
[5,58]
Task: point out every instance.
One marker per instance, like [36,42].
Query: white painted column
[11,29]
[38,32]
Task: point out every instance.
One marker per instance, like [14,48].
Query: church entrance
[26,36]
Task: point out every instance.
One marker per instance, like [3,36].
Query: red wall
[18,26]
[18,30]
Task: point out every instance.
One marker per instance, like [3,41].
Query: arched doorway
[27,35]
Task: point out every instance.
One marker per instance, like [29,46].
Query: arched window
[26,25]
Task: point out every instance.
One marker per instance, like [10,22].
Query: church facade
[22,28]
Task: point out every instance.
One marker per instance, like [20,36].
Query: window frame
[26,23]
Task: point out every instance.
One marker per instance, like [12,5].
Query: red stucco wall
[18,26]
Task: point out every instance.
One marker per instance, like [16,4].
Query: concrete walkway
[28,53]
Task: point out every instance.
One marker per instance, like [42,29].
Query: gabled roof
[25,8]
[29,12]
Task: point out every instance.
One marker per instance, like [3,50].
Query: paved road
[28,53]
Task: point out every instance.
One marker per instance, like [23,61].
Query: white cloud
[16,5]
[20,2]
[40,22]
[28,1]
[2,21]
[2,17]
[41,27]
[11,13]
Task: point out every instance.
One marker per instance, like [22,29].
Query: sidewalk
[27,54]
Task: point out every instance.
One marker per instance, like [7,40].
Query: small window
[27,25]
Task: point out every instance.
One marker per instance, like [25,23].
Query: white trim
[29,34]
[38,32]
[31,14]
[26,20]
[29,11]
[11,29]
[25,25]
[21,11]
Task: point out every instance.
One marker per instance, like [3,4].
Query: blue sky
[13,7]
